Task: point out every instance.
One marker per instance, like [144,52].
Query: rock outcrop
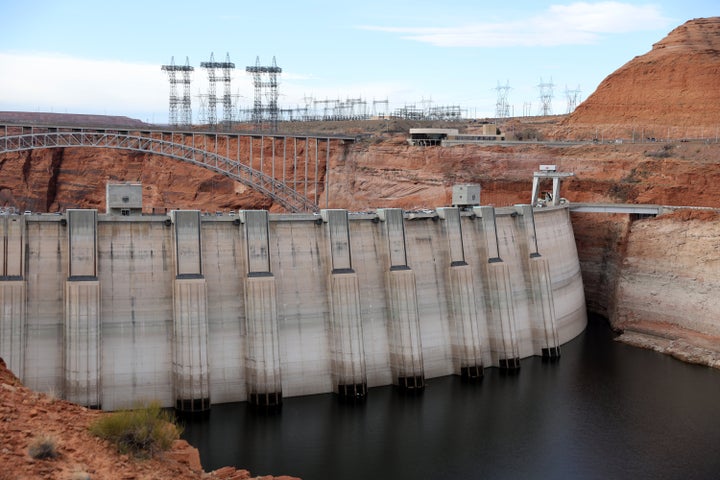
[26,415]
[670,92]
[667,286]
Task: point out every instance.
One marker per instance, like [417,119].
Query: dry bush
[143,431]
[43,447]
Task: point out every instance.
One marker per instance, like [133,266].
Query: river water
[604,411]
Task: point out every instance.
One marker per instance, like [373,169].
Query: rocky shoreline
[26,415]
[685,345]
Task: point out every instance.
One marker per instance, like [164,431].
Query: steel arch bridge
[203,149]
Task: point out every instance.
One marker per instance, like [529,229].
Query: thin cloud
[573,24]
[57,82]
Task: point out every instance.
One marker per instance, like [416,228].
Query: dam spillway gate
[192,310]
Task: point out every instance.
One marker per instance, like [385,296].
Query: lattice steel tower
[183,104]
[226,68]
[546,97]
[256,73]
[211,109]
[502,108]
[573,97]
[268,85]
[272,94]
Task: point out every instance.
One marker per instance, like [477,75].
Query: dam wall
[192,310]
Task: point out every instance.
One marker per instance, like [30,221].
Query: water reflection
[606,410]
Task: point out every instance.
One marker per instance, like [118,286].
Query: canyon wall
[669,92]
[670,273]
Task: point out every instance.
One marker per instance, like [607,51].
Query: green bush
[142,431]
[42,447]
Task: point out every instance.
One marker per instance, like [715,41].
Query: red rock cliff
[671,91]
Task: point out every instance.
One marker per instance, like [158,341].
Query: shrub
[80,476]
[658,154]
[42,447]
[142,431]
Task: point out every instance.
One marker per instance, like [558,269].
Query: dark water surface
[605,411]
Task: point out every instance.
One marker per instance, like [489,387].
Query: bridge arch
[163,143]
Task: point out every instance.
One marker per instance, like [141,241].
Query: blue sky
[105,57]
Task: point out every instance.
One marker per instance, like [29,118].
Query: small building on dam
[192,310]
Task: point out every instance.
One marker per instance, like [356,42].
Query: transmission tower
[573,97]
[226,68]
[502,109]
[527,109]
[385,102]
[256,72]
[202,115]
[265,79]
[546,97]
[272,93]
[306,112]
[211,96]
[184,103]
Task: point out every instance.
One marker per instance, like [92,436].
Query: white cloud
[52,82]
[573,24]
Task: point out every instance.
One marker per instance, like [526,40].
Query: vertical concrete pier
[191,380]
[13,292]
[506,349]
[538,272]
[406,361]
[466,337]
[82,312]
[262,365]
[348,363]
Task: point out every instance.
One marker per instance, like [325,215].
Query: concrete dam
[191,310]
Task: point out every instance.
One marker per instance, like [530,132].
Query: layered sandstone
[54,180]
[669,92]
[667,288]
[391,173]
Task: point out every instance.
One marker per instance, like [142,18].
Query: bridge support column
[191,379]
[466,337]
[349,373]
[264,383]
[501,301]
[13,292]
[406,361]
[82,347]
[540,285]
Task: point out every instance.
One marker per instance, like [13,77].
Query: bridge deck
[10,128]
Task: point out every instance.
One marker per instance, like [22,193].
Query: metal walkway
[267,163]
[626,208]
